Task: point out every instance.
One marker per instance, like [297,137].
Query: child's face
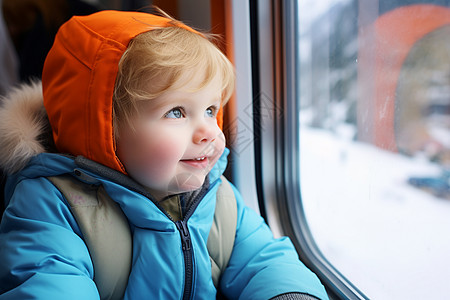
[176,139]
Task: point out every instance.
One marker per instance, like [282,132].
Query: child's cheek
[219,147]
[161,156]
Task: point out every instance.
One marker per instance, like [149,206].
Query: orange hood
[79,76]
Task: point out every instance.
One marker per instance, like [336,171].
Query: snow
[390,239]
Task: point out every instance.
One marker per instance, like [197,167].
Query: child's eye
[174,113]
[211,111]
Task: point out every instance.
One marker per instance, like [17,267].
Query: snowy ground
[388,238]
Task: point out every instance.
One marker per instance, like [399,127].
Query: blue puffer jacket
[44,256]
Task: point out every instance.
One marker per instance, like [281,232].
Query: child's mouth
[198,162]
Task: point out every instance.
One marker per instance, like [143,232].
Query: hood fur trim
[23,122]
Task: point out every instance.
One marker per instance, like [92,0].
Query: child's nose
[204,133]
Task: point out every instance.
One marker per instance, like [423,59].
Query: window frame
[239,129]
[274,50]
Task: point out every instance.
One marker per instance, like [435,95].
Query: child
[138,96]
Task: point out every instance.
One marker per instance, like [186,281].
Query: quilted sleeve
[262,267]
[43,256]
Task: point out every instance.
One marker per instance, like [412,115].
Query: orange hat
[79,76]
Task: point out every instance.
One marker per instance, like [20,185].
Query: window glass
[375,141]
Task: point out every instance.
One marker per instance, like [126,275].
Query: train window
[373,101]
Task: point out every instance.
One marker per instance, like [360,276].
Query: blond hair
[162,56]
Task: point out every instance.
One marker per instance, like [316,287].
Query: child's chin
[186,183]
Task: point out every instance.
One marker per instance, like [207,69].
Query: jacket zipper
[187,248]
[188,261]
